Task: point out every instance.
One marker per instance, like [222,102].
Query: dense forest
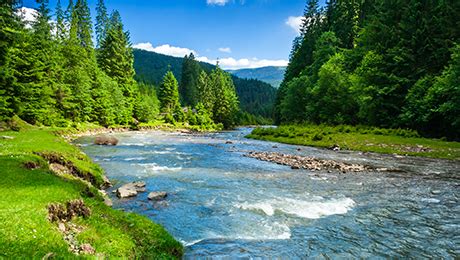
[256,97]
[53,74]
[393,64]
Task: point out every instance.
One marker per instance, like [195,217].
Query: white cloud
[217,2]
[225,63]
[295,22]
[225,49]
[27,15]
[232,63]
[164,49]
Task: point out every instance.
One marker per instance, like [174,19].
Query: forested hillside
[256,97]
[271,75]
[390,64]
[51,73]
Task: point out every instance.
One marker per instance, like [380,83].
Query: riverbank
[86,129]
[365,139]
[39,169]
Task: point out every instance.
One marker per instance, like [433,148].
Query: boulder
[130,189]
[106,140]
[157,195]
[124,192]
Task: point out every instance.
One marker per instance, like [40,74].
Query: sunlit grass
[24,227]
[361,138]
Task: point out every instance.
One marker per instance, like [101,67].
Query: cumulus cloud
[294,22]
[225,49]
[164,49]
[217,2]
[225,63]
[232,63]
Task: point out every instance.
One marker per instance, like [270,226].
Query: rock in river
[157,195]
[131,189]
[106,140]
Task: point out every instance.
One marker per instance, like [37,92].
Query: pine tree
[206,94]
[302,51]
[84,26]
[115,58]
[102,22]
[60,22]
[10,34]
[189,80]
[226,103]
[168,94]
[342,18]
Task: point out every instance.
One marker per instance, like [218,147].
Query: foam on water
[303,209]
[153,167]
[135,159]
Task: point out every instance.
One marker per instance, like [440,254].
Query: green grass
[162,125]
[24,227]
[360,138]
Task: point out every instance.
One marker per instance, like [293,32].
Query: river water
[221,204]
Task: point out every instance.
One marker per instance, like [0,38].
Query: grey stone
[157,195]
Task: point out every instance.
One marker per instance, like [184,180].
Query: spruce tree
[226,103]
[206,94]
[189,80]
[84,24]
[102,22]
[168,94]
[60,23]
[10,34]
[116,59]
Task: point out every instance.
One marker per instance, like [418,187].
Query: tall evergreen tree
[226,101]
[60,22]
[10,34]
[102,22]
[84,25]
[206,94]
[302,51]
[168,94]
[189,80]
[115,58]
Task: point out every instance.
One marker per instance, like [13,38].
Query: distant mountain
[256,97]
[270,75]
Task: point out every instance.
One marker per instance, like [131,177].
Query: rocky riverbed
[309,163]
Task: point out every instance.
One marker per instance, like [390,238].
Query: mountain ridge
[272,75]
[255,96]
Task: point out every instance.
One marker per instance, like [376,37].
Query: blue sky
[241,33]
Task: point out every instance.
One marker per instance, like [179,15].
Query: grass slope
[361,138]
[24,227]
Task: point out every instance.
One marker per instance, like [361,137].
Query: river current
[221,204]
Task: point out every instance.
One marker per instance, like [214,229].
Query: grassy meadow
[360,138]
[26,193]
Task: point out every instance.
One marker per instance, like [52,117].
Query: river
[222,204]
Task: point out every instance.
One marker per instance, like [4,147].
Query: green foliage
[147,105]
[255,97]
[102,22]
[168,94]
[225,100]
[27,233]
[360,138]
[55,79]
[380,64]
[189,80]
